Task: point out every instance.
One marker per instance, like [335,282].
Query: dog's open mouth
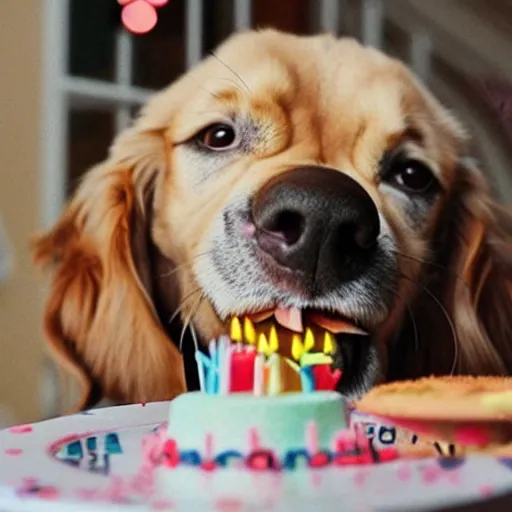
[295,334]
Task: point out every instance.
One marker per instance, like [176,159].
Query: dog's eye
[412,176]
[217,137]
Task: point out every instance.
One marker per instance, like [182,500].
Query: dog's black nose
[318,222]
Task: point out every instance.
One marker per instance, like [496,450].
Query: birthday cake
[260,410]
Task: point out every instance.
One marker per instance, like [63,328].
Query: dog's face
[284,174]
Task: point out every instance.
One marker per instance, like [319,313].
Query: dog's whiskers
[187,297]
[194,337]
[188,321]
[242,81]
[446,315]
[415,328]
[433,264]
[184,265]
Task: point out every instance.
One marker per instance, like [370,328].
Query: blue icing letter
[112,444]
[225,459]
[191,458]
[293,458]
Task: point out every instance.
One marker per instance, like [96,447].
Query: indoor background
[72,77]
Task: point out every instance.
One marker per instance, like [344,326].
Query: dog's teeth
[249,331]
[236,330]
[273,340]
[329,346]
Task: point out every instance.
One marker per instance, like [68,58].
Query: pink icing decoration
[432,473]
[21,429]
[161,505]
[13,451]
[486,490]
[228,505]
[360,478]
[404,472]
[312,437]
[472,436]
[254,440]
[209,453]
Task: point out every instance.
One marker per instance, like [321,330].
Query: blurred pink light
[140,16]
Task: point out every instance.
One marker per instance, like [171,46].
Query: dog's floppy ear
[476,249]
[99,318]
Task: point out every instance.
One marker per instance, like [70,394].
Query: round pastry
[468,411]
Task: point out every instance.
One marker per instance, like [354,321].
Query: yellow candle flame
[328,343]
[249,331]
[297,347]
[273,341]
[263,346]
[236,330]
[309,340]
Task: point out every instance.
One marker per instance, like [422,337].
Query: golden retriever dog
[309,176]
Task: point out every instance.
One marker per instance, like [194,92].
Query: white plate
[102,472]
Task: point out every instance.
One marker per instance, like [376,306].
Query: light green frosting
[281,421]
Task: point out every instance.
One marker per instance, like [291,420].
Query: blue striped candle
[306,379]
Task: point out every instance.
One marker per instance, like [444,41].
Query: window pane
[159,56]
[288,15]
[93,25]
[90,135]
[396,41]
[218,22]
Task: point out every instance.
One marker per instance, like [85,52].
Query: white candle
[259,362]
[226,350]
[200,370]
[274,378]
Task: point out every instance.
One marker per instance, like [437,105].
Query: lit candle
[236,330]
[290,375]
[242,369]
[249,331]
[326,379]
[309,340]
[200,370]
[225,354]
[273,340]
[259,363]
[263,346]
[315,358]
[274,379]
[212,379]
[306,379]
[205,363]
[297,347]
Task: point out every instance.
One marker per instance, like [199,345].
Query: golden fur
[324,102]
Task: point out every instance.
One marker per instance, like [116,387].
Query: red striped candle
[325,378]
[242,369]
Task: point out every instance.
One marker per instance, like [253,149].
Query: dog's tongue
[291,318]
[335,325]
